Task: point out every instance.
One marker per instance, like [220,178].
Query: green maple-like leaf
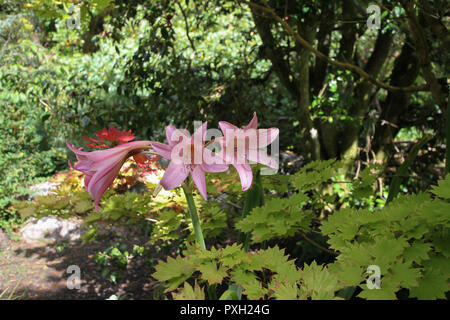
[318,283]
[254,290]
[315,173]
[212,273]
[386,250]
[417,252]
[348,274]
[278,218]
[441,242]
[232,255]
[174,271]
[363,188]
[404,275]
[443,189]
[433,285]
[387,291]
[284,291]
[189,293]
[241,276]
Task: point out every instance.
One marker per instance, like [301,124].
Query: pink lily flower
[243,145]
[101,167]
[188,155]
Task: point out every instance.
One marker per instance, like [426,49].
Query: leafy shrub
[407,239]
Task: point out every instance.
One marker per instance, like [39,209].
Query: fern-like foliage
[406,239]
[265,274]
[283,217]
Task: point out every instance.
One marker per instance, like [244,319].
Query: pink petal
[75,150]
[198,176]
[261,157]
[162,149]
[102,166]
[227,127]
[87,179]
[199,134]
[170,129]
[213,162]
[245,174]
[100,155]
[253,123]
[176,136]
[267,136]
[97,189]
[109,167]
[214,167]
[175,174]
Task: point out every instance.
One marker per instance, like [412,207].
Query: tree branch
[424,57]
[186,26]
[320,55]
[275,55]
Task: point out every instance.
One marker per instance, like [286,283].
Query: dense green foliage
[408,240]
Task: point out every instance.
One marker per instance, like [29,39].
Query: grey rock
[43,189]
[4,240]
[51,229]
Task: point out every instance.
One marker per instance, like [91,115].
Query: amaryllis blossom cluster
[189,156]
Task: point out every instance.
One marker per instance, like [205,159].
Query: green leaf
[285,291]
[387,291]
[404,275]
[443,188]
[189,293]
[83,206]
[174,271]
[254,290]
[417,252]
[433,285]
[212,273]
[318,283]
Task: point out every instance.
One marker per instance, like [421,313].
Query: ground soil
[39,271]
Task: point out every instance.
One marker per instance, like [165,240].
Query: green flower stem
[194,216]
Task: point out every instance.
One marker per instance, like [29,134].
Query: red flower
[112,135]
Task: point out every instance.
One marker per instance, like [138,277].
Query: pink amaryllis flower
[188,155]
[243,145]
[101,167]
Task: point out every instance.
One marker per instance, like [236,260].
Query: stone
[51,229]
[42,189]
[4,240]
